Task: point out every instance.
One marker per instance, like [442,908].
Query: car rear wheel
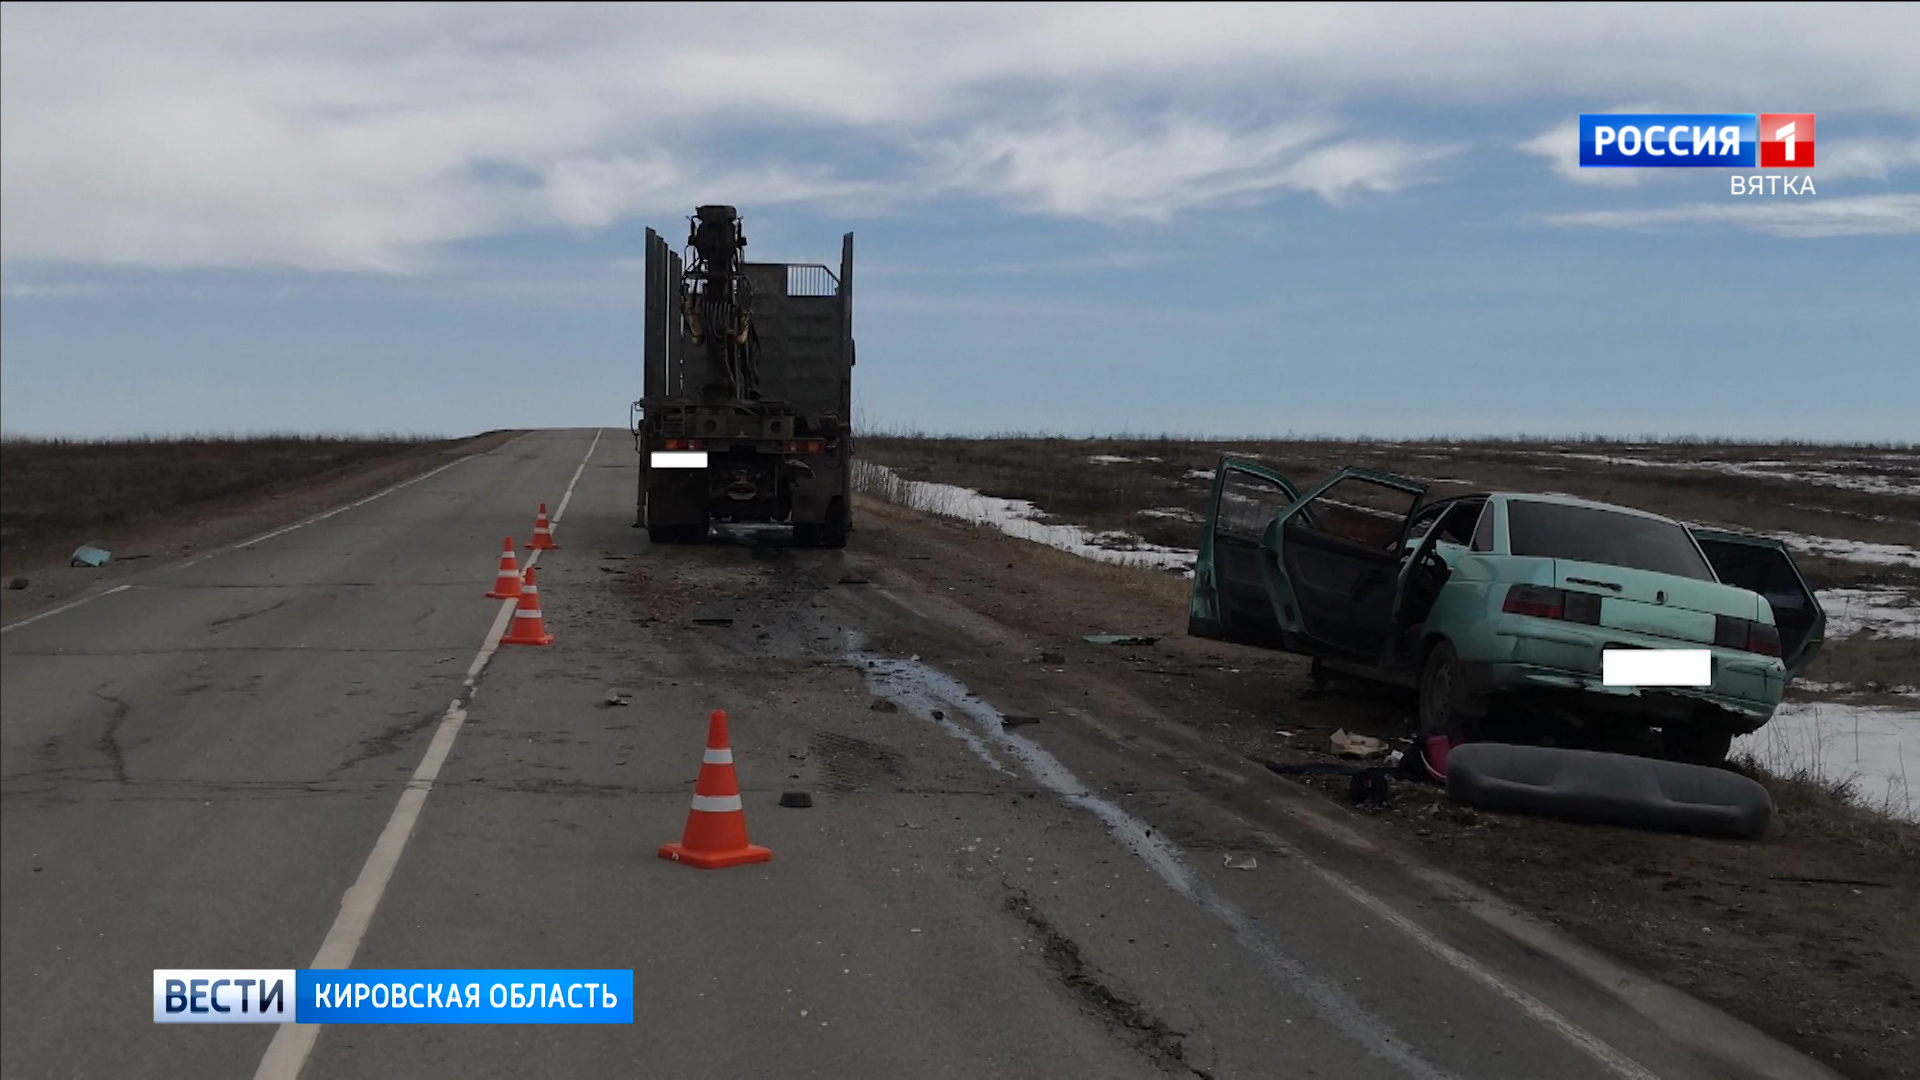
[1443,695]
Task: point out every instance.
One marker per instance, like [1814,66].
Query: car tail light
[805,446]
[1746,635]
[1542,602]
[684,444]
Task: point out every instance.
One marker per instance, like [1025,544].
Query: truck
[746,404]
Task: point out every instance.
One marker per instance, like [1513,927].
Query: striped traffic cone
[542,533]
[528,627]
[507,585]
[716,833]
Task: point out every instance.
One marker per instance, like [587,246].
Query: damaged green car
[1503,604]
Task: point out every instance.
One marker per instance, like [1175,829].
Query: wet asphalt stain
[226,621]
[389,741]
[851,764]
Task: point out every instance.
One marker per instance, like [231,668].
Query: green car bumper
[1559,658]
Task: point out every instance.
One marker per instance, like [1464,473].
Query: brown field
[160,498]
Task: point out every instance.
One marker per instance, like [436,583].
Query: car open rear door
[1229,599]
[1334,565]
[1763,565]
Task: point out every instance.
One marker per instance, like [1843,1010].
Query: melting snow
[1177,513]
[1853,550]
[1019,518]
[1199,474]
[1877,748]
[1888,613]
[1774,470]
[1109,459]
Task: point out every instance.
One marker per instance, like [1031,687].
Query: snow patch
[1875,747]
[1177,513]
[1825,473]
[1110,459]
[1859,551]
[1019,518]
[1199,474]
[1884,612]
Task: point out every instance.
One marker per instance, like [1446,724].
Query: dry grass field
[60,493]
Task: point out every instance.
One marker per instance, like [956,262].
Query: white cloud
[365,137]
[1559,147]
[1871,159]
[1797,218]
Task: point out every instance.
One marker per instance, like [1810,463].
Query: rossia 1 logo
[1696,140]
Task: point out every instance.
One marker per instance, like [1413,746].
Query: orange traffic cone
[507,585]
[542,533]
[716,833]
[528,627]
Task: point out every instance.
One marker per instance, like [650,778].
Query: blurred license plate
[1656,667]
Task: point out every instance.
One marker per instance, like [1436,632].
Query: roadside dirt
[1812,935]
[183,531]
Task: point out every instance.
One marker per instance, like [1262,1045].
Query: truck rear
[747,400]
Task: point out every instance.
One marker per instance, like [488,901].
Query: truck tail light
[1543,602]
[684,444]
[1746,635]
[805,446]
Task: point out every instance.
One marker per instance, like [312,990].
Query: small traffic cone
[716,833]
[507,585]
[528,627]
[542,533]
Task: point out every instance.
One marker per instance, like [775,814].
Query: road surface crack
[1149,1036]
[109,743]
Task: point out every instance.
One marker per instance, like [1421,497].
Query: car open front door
[1229,599]
[1335,563]
[1762,564]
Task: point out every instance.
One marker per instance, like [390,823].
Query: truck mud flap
[1587,785]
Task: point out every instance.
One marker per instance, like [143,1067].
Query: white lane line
[292,1044]
[268,536]
[568,497]
[51,612]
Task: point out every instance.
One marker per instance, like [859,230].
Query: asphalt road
[198,768]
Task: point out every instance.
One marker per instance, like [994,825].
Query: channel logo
[341,996]
[1696,140]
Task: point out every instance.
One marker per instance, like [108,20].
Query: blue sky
[1080,219]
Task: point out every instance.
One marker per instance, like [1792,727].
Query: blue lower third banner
[455,996]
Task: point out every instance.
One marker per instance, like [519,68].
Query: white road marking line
[1615,1061]
[568,497]
[268,536]
[51,612]
[292,1044]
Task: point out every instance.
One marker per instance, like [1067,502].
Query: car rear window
[1589,534]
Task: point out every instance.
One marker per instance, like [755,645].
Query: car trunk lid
[1661,605]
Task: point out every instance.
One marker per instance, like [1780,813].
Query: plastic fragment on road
[1119,639]
[17,583]
[1017,721]
[797,800]
[1357,746]
[1618,789]
[1247,863]
[87,555]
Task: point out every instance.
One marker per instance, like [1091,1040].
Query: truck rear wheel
[833,534]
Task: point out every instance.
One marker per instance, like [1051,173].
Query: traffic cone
[716,833]
[542,533]
[507,585]
[528,627]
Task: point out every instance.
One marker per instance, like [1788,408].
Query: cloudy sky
[1079,218]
